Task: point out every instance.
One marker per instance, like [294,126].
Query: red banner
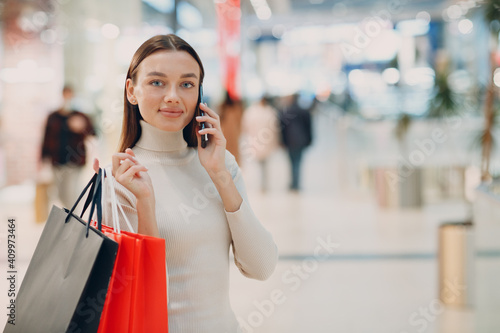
[229,17]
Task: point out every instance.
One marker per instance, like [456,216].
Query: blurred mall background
[402,95]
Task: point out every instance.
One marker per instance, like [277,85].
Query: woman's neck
[155,139]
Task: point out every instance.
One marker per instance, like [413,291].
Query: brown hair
[131,127]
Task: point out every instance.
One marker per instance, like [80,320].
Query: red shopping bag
[118,299]
[137,296]
[148,312]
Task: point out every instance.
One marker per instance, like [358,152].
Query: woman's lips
[171,113]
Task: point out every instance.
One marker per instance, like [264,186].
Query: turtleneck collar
[155,139]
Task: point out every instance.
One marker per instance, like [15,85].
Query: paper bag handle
[115,205]
[95,197]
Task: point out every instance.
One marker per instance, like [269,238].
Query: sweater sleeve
[255,252]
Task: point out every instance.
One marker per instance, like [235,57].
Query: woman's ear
[129,87]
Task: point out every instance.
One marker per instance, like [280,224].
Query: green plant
[492,17]
[402,126]
[491,10]
[444,102]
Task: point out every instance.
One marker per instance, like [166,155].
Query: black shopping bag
[65,286]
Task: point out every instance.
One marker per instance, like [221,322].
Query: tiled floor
[380,275]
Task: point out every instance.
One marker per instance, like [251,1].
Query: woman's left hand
[212,157]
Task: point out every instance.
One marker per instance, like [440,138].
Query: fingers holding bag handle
[95,166]
[122,161]
[130,173]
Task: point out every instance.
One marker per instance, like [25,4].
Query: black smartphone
[204,137]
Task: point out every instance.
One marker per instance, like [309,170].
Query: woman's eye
[157,83]
[187,85]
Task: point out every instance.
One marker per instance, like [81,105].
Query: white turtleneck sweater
[198,232]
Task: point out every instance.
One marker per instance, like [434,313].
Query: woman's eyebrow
[154,73]
[189,75]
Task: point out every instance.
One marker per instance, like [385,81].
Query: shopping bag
[44,180]
[41,202]
[131,306]
[66,282]
[116,310]
[148,311]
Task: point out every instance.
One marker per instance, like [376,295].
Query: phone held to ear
[204,137]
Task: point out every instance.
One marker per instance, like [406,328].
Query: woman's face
[166,89]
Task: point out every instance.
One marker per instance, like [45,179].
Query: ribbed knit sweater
[198,232]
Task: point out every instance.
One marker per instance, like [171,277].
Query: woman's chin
[171,125]
[168,124]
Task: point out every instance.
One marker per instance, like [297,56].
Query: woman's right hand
[134,177]
[131,174]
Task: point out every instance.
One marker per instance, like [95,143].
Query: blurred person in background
[296,134]
[261,126]
[230,113]
[63,147]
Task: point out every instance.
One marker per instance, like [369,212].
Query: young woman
[194,197]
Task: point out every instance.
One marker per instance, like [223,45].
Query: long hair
[131,127]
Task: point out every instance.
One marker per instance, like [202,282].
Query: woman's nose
[172,95]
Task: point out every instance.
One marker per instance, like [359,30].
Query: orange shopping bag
[136,301]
